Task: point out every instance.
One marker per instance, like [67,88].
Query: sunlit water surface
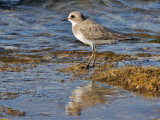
[45,93]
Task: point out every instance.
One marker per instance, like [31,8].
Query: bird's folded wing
[95,31]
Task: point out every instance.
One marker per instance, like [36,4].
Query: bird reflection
[87,96]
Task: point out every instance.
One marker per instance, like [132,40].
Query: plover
[91,33]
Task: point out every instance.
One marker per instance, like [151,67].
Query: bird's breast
[83,39]
[80,36]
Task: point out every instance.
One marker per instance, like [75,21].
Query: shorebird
[91,33]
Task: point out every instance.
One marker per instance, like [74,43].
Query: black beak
[65,19]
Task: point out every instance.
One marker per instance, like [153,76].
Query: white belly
[92,42]
[83,39]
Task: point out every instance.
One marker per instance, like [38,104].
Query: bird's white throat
[73,22]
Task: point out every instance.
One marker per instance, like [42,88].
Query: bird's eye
[72,16]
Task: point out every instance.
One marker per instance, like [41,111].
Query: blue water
[36,29]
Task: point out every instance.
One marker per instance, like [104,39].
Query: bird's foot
[85,67]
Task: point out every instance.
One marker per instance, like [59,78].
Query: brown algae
[10,111]
[78,70]
[144,35]
[133,78]
[18,63]
[17,59]
[8,95]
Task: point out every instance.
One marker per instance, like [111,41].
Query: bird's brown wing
[95,31]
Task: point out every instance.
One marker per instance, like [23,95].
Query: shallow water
[34,30]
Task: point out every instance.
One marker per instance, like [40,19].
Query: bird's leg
[94,57]
[87,66]
[93,54]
